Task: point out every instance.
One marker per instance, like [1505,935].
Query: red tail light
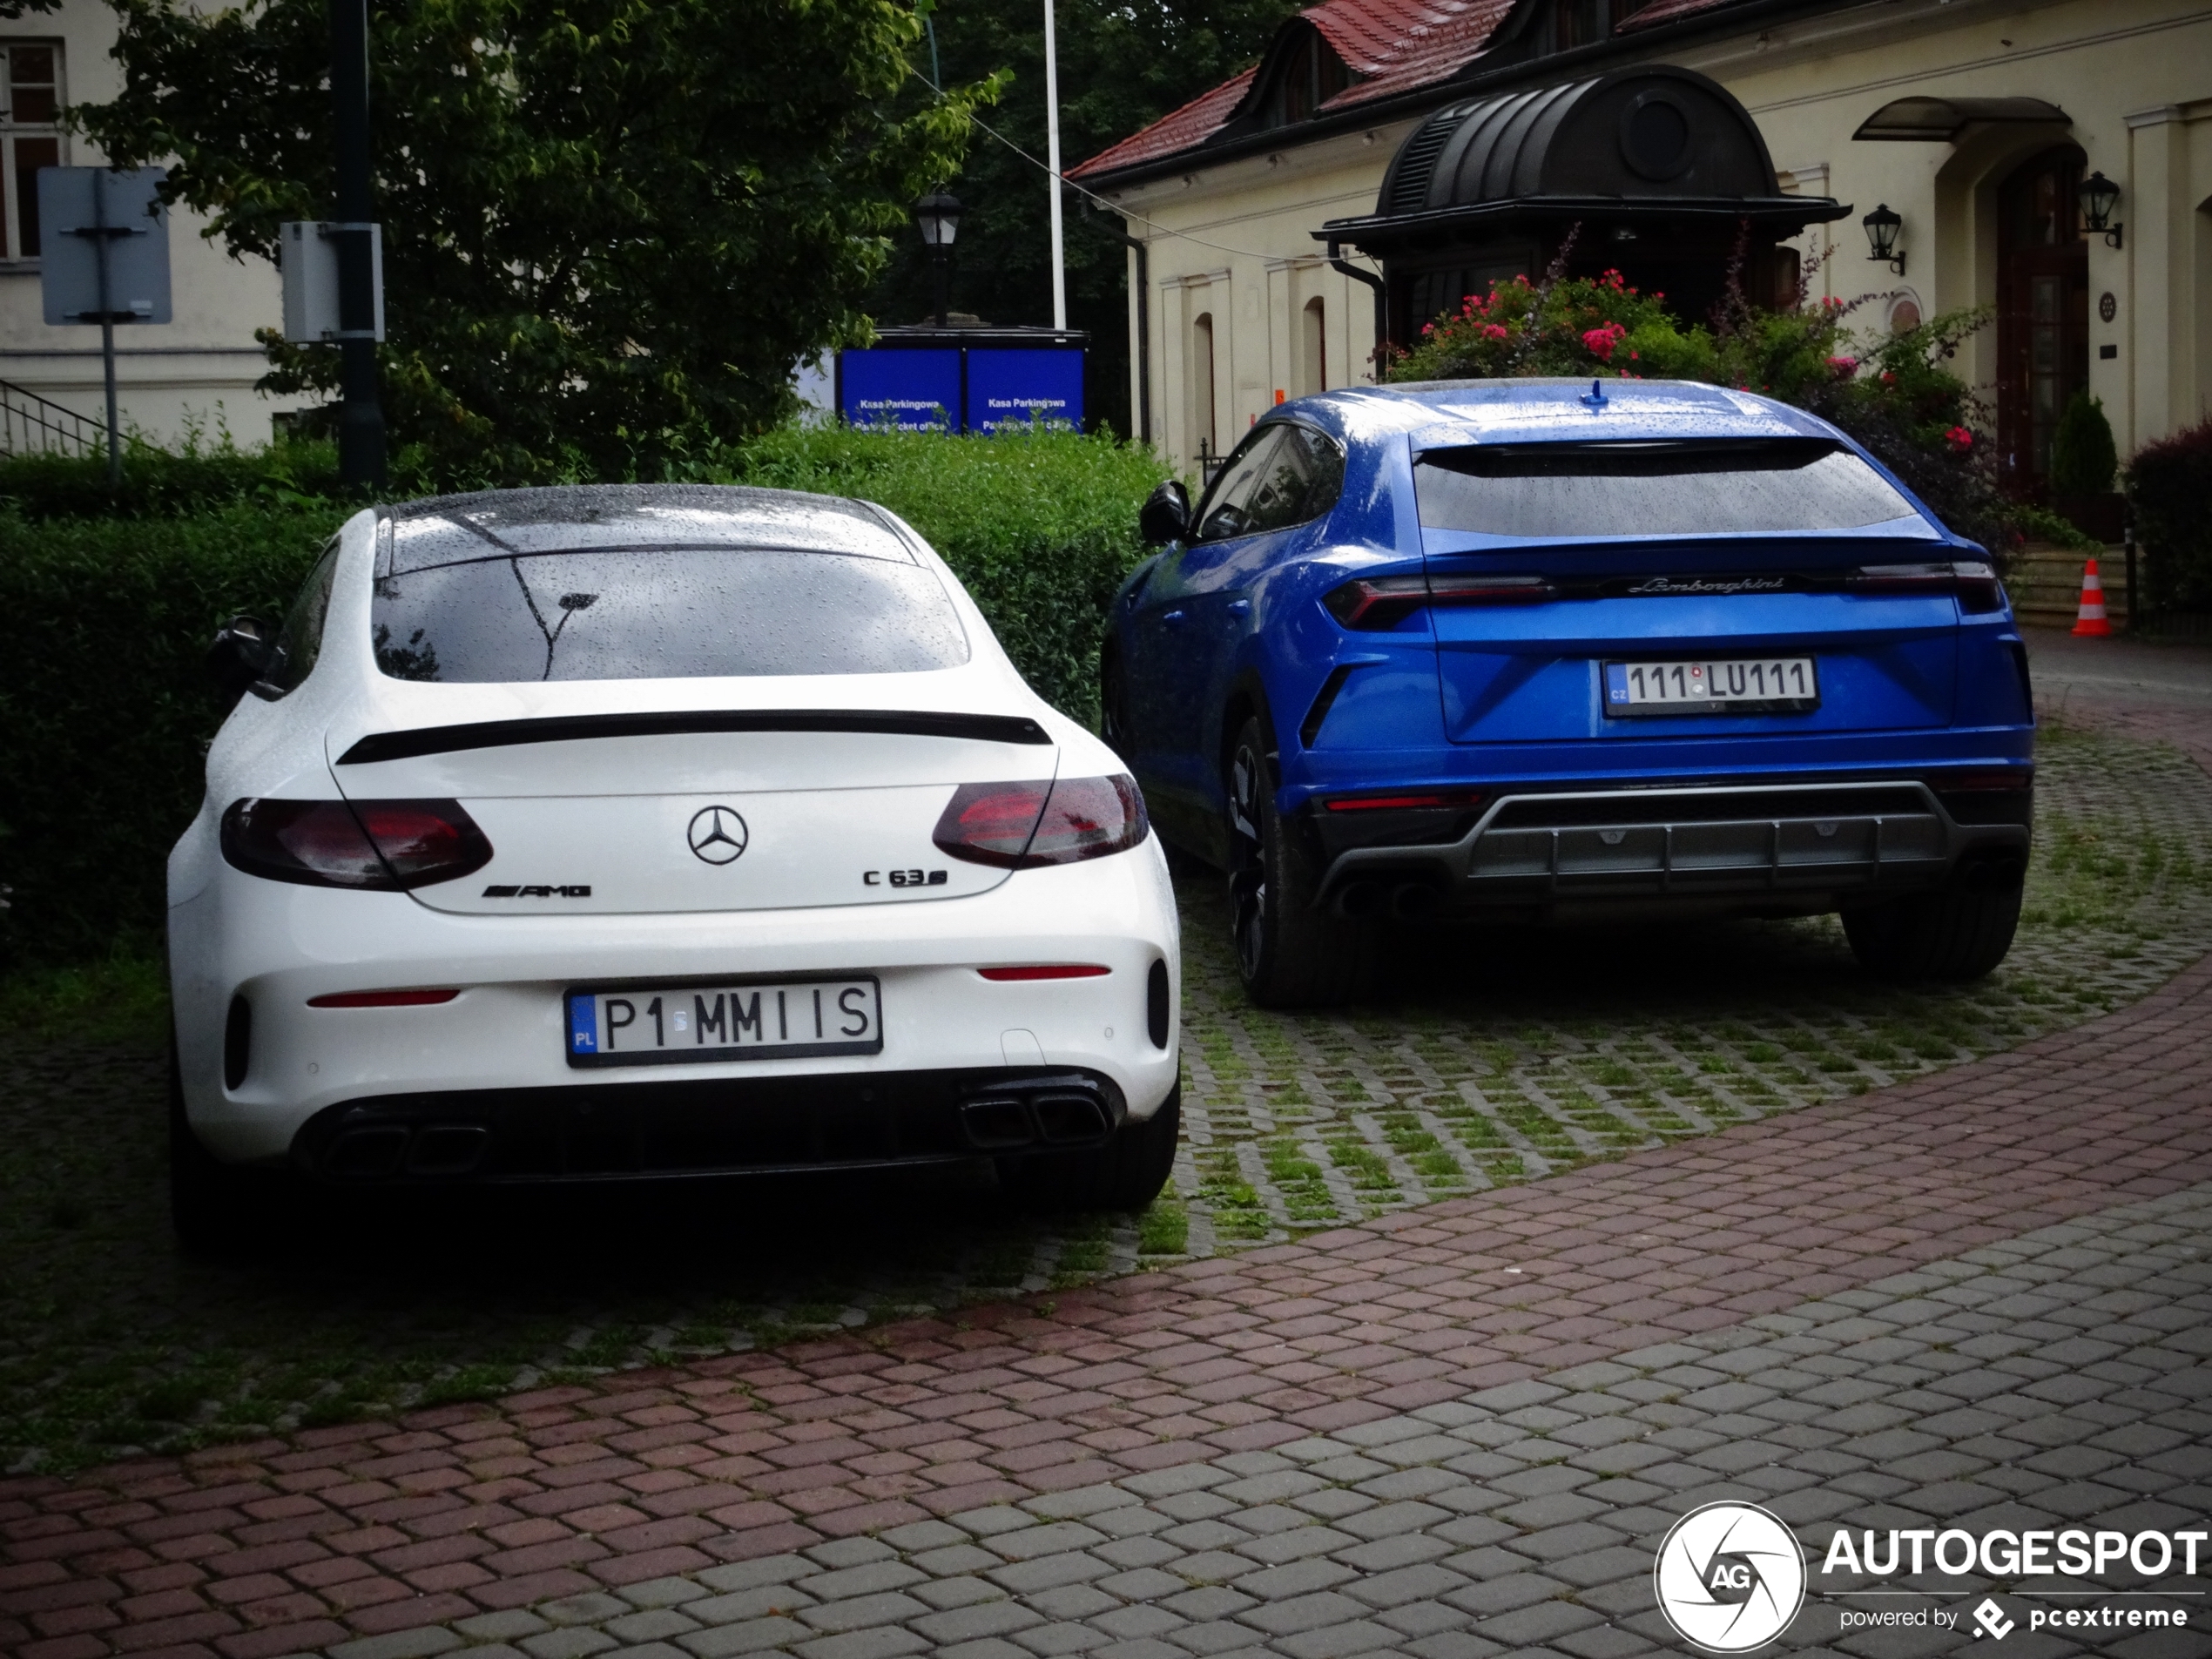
[1383,602]
[381,999]
[1046,970]
[1404,802]
[1019,827]
[1974,582]
[381,846]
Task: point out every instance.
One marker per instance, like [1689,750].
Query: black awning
[1938,120]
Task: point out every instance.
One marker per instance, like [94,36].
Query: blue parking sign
[900,387]
[1015,386]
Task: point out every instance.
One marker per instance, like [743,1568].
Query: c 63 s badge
[905,877]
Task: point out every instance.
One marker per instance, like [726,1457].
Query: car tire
[1127,1173]
[1290,952]
[215,1208]
[1957,934]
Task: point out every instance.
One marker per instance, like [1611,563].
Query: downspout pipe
[1142,250]
[1337,262]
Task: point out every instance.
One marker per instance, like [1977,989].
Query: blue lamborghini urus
[1543,650]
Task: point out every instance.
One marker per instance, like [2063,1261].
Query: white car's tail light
[384,846]
[382,999]
[1045,970]
[1022,825]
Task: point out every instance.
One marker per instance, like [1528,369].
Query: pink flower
[1494,331]
[1599,342]
[1843,367]
[1960,438]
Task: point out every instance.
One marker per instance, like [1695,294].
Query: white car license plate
[665,1025]
[1728,686]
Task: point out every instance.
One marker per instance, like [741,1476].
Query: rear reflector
[1404,803]
[381,999]
[1046,970]
[1022,825]
[383,845]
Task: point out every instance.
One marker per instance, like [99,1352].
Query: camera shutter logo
[1730,1577]
[718,835]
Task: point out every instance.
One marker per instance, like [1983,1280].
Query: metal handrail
[31,424]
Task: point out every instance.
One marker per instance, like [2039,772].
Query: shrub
[2083,459]
[157,483]
[1899,400]
[106,711]
[2170,483]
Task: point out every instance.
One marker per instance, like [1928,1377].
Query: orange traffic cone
[2092,621]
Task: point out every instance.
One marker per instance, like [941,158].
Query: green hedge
[2169,484]
[106,711]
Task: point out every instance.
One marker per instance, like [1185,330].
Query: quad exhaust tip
[1050,1117]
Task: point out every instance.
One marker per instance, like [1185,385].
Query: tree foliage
[605,220]
[1122,66]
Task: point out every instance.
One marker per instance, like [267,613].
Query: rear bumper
[638,1128]
[1807,847]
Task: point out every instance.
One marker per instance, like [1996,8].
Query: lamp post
[938,213]
[1882,226]
[360,421]
[2099,197]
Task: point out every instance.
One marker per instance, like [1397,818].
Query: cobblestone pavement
[2058,1379]
[1981,1288]
[1497,1059]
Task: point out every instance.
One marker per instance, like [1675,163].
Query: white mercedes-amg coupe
[648,831]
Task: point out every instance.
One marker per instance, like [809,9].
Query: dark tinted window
[299,642]
[1282,475]
[653,582]
[1673,487]
[676,613]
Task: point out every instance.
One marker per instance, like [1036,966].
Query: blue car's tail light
[1022,825]
[1975,582]
[383,845]
[1373,602]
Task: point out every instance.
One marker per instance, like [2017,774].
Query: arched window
[1314,349]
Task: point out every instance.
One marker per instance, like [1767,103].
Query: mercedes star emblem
[717,834]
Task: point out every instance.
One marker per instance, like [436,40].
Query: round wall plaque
[2108,308]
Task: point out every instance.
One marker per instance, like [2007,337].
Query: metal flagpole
[107,326]
[1052,167]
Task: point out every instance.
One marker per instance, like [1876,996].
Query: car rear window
[653,584]
[1693,487]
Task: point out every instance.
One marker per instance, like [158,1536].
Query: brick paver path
[1308,1449]
[272,1548]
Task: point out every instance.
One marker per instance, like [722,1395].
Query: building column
[2153,209]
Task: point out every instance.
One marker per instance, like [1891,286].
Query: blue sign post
[964,380]
[914,389]
[1017,387]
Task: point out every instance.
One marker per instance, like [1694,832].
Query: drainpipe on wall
[1337,262]
[1144,328]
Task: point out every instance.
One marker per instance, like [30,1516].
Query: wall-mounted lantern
[1882,226]
[2099,197]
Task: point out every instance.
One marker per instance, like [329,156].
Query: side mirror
[1166,516]
[242,653]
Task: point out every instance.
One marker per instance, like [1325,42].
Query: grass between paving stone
[1496,1057]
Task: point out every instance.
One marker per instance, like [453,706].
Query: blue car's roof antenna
[1597,399]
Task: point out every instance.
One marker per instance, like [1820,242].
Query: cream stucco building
[1975,121]
[197,370]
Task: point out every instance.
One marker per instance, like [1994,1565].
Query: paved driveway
[1980,1297]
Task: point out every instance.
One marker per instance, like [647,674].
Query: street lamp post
[360,421]
[938,213]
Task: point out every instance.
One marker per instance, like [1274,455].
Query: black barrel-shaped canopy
[1640,132]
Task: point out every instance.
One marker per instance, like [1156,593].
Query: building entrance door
[2042,314]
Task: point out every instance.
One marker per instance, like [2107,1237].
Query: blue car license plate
[674,1025]
[1712,685]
